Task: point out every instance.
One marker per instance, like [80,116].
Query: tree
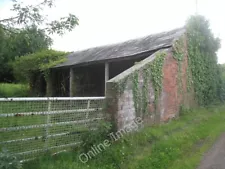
[31,38]
[19,42]
[222,82]
[28,40]
[3,51]
[27,15]
[202,60]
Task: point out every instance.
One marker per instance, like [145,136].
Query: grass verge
[175,145]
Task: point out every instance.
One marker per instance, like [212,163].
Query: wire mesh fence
[32,126]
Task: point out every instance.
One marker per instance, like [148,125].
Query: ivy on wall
[151,72]
[202,60]
[137,95]
[203,73]
[178,55]
[157,74]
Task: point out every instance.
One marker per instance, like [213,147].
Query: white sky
[109,21]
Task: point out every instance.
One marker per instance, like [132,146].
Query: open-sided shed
[86,72]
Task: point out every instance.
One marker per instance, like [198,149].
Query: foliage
[222,68]
[13,90]
[179,54]
[145,90]
[96,136]
[25,67]
[35,69]
[29,40]
[202,60]
[33,15]
[157,74]
[221,72]
[24,41]
[32,37]
[136,93]
[9,161]
[151,72]
[175,145]
[122,84]
[4,68]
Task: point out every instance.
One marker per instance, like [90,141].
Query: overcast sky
[109,21]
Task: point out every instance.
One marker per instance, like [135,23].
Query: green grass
[175,145]
[13,90]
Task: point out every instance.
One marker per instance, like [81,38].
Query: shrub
[35,69]
[25,67]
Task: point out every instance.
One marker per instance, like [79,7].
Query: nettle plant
[9,160]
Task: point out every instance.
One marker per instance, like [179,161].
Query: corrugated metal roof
[124,49]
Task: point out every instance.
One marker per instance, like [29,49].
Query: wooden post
[50,88]
[106,74]
[71,82]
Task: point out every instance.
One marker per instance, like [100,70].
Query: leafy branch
[27,15]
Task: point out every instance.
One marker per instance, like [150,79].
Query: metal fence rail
[31,126]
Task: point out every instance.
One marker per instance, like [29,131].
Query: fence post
[47,123]
[87,113]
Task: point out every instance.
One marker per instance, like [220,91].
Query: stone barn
[145,77]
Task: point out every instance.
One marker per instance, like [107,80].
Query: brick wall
[121,105]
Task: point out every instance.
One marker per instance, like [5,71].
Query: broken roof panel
[124,49]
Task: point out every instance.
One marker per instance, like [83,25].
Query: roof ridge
[127,48]
[129,40]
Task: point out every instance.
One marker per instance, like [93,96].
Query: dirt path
[215,158]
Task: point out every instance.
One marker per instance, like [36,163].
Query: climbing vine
[157,74]
[145,89]
[202,60]
[202,70]
[189,79]
[136,93]
[122,84]
[178,54]
[151,72]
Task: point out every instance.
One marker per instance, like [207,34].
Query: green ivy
[202,70]
[202,60]
[136,93]
[157,74]
[145,90]
[122,84]
[178,54]
[189,79]
[151,72]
